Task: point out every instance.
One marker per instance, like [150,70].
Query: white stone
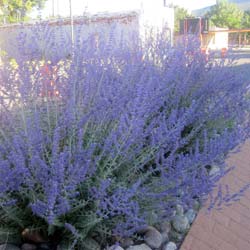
[170,246]
[139,247]
[190,214]
[153,237]
[180,223]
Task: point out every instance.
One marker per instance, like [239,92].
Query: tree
[179,14]
[246,25]
[246,20]
[225,15]
[16,10]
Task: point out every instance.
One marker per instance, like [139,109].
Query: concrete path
[228,229]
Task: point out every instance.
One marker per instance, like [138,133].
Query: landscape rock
[165,227]
[139,247]
[127,242]
[190,214]
[170,246]
[8,247]
[153,238]
[179,210]
[27,246]
[114,247]
[180,223]
[165,237]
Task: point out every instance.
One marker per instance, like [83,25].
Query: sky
[194,4]
[61,7]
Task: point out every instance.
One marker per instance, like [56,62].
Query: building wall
[132,20]
[45,38]
[154,15]
[215,39]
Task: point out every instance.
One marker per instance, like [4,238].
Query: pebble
[8,247]
[127,242]
[165,227]
[165,237]
[190,214]
[153,237]
[170,246]
[139,247]
[179,209]
[180,223]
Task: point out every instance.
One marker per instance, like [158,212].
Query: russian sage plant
[98,142]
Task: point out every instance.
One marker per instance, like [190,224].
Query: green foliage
[179,14]
[225,15]
[246,20]
[16,10]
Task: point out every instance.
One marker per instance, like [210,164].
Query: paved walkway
[228,229]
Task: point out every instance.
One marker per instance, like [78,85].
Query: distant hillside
[200,12]
[242,4]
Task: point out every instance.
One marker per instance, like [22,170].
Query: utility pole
[53,8]
[71,22]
